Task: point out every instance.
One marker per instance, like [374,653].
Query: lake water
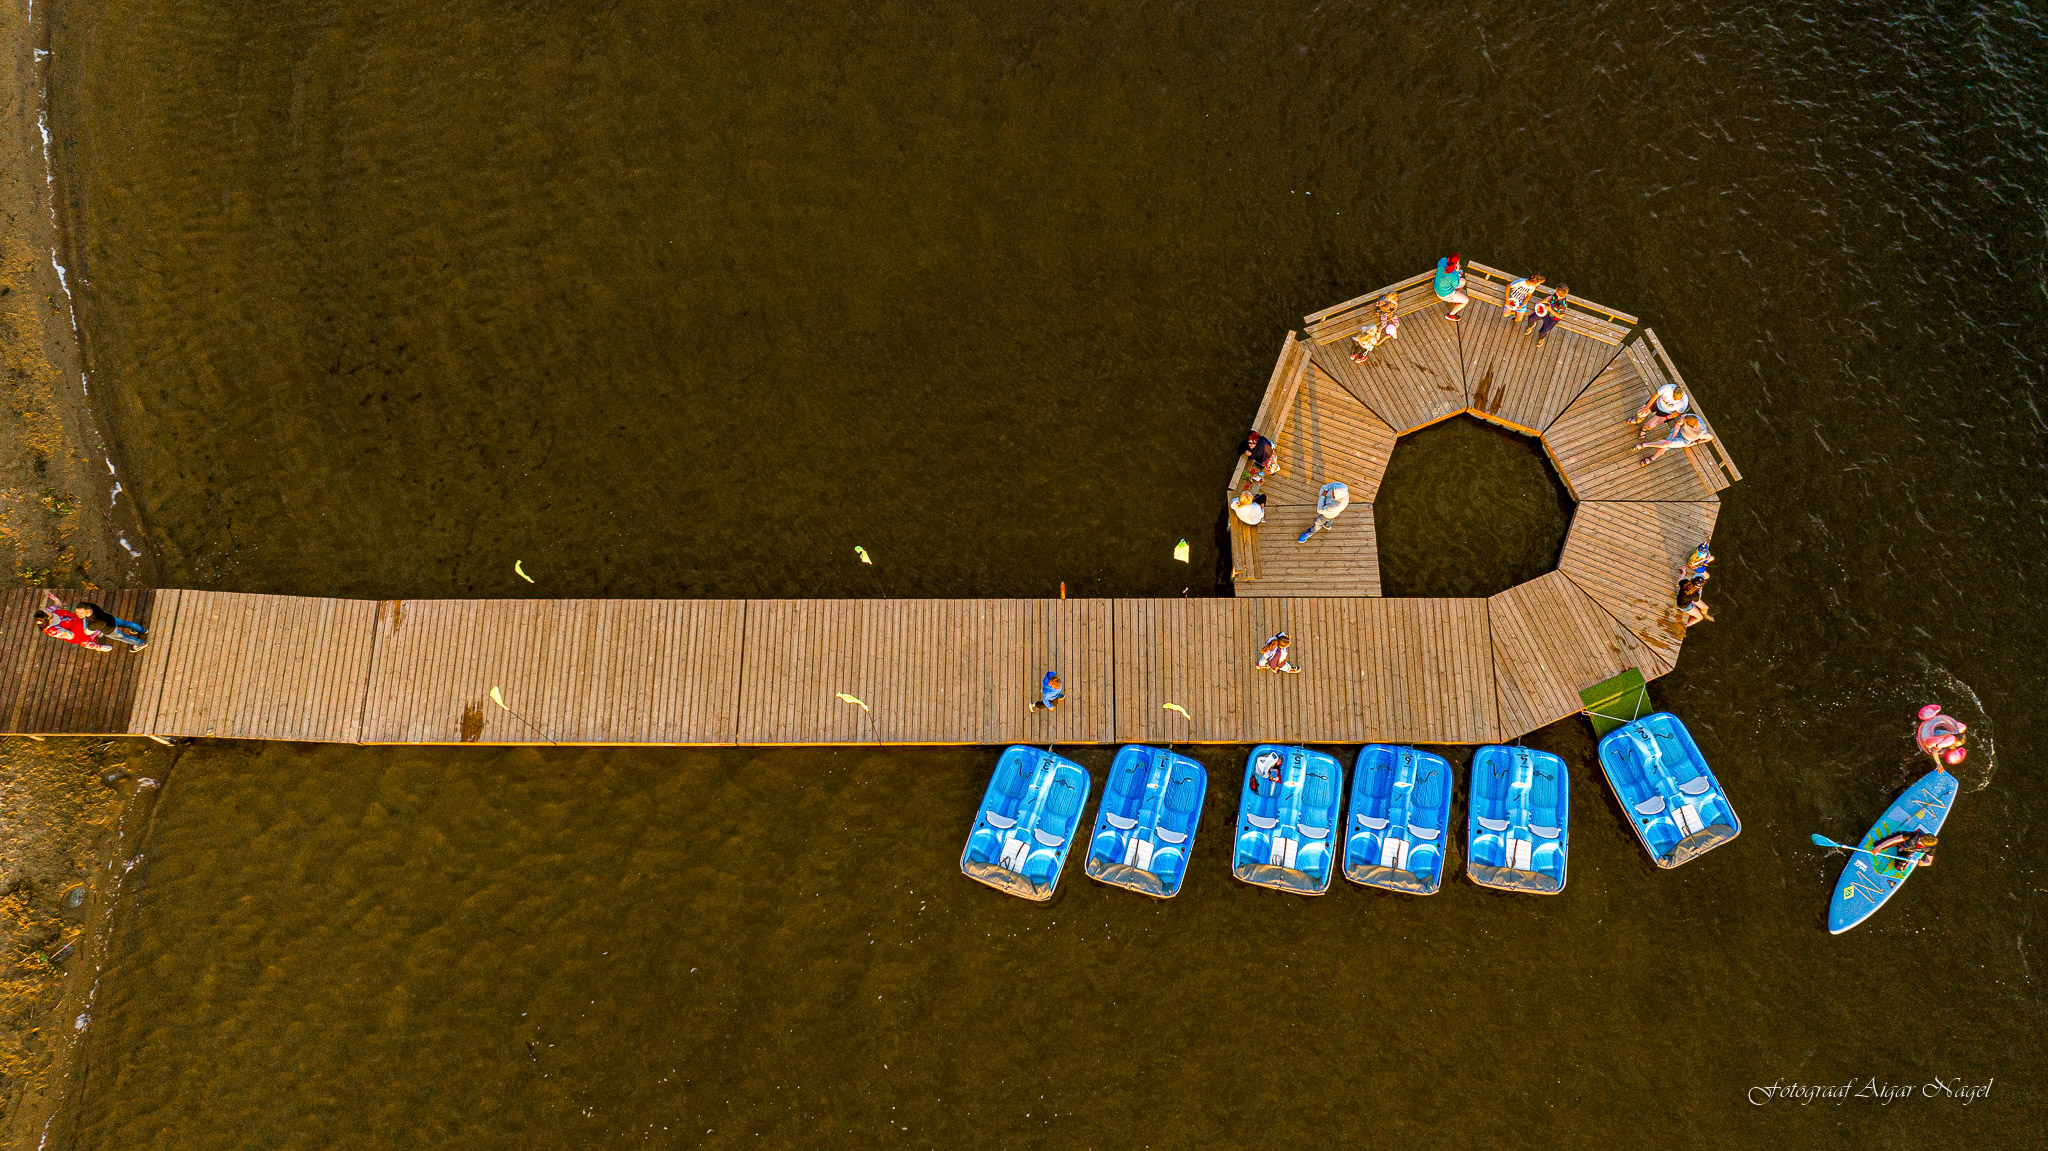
[681,300]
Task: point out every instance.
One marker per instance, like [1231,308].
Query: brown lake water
[680,300]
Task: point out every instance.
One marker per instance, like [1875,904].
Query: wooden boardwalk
[760,672]
[1611,603]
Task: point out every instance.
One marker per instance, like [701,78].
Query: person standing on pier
[1547,314]
[1515,307]
[1330,503]
[1050,693]
[1449,282]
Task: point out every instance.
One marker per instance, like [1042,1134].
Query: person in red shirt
[86,624]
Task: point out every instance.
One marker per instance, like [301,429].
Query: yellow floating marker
[850,699]
[498,699]
[1176,707]
[521,571]
[1180,551]
[863,554]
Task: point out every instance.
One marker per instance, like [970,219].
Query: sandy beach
[64,804]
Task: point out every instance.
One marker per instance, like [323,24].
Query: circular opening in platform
[1467,509]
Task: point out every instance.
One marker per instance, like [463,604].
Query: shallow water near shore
[664,301]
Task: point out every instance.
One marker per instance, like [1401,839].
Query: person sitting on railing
[1669,403]
[1385,325]
[1515,307]
[1547,314]
[1258,452]
[1691,608]
[1249,508]
[1686,431]
[1449,285]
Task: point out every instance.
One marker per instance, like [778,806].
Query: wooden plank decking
[755,672]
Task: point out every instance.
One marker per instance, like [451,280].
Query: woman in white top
[1686,432]
[1249,508]
[1330,503]
[1668,404]
[1515,308]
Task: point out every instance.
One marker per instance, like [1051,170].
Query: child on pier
[1515,307]
[1273,656]
[1547,314]
[1449,281]
[1385,325]
[1691,608]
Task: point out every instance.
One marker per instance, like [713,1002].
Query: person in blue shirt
[1449,281]
[1050,693]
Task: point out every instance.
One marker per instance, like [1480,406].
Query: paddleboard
[1867,883]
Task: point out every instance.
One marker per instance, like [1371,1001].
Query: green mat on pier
[1613,702]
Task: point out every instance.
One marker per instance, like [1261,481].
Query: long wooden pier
[765,672]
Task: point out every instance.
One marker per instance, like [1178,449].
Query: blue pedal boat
[1027,823]
[1867,883]
[1146,827]
[1518,832]
[1677,807]
[1287,831]
[1400,811]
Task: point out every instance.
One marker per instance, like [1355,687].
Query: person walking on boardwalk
[1050,692]
[1686,431]
[1249,508]
[1330,503]
[1547,314]
[1665,406]
[1514,308]
[1274,656]
[1384,325]
[1258,453]
[1449,282]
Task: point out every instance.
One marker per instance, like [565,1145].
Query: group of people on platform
[1249,506]
[1520,305]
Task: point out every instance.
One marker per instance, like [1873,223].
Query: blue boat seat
[1045,840]
[1492,824]
[1651,806]
[1546,832]
[1697,785]
[1166,836]
[1121,823]
[1424,832]
[1263,822]
[1312,832]
[1002,821]
[1372,823]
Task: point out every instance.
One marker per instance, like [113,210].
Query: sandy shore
[71,811]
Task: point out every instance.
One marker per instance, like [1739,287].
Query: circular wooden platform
[1610,604]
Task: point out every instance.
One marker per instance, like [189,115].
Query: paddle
[1824,841]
